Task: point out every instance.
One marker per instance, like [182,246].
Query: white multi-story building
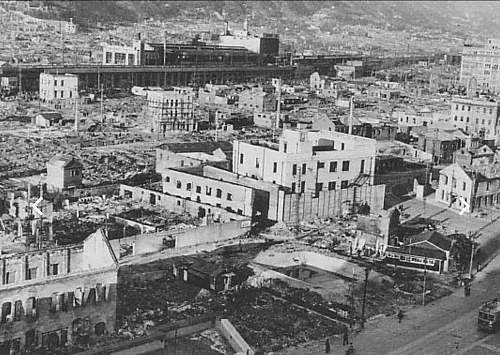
[481,66]
[171,110]
[308,161]
[476,116]
[58,87]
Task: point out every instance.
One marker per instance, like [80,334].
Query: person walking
[345,339]
[327,346]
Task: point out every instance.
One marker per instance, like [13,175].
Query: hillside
[444,16]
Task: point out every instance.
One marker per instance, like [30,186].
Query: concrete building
[140,52]
[171,110]
[479,186]
[477,116]
[411,118]
[57,296]
[215,95]
[58,87]
[193,184]
[266,45]
[325,86]
[441,144]
[268,119]
[384,94]
[256,99]
[64,172]
[311,161]
[123,55]
[480,66]
[350,71]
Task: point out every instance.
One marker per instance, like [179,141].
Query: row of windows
[61,95]
[332,166]
[332,185]
[469,107]
[467,120]
[31,273]
[412,259]
[208,189]
[187,102]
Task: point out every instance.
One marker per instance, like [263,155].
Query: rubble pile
[270,324]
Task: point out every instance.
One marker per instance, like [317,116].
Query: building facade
[57,296]
[58,87]
[256,99]
[479,186]
[441,144]
[477,116]
[480,66]
[171,110]
[193,184]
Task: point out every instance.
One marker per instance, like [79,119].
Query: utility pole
[367,271]
[425,279]
[76,116]
[102,105]
[471,257]
[351,112]
[278,108]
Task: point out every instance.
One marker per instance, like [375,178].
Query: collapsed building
[56,296]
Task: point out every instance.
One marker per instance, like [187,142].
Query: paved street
[446,326]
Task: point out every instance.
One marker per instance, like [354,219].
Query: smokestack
[245,26]
[226,28]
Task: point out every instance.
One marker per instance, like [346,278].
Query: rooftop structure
[307,161]
[179,155]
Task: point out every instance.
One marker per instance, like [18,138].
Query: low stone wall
[210,234]
[233,337]
[331,264]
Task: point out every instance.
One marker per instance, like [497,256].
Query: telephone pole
[367,272]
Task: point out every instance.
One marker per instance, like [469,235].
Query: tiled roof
[436,238]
